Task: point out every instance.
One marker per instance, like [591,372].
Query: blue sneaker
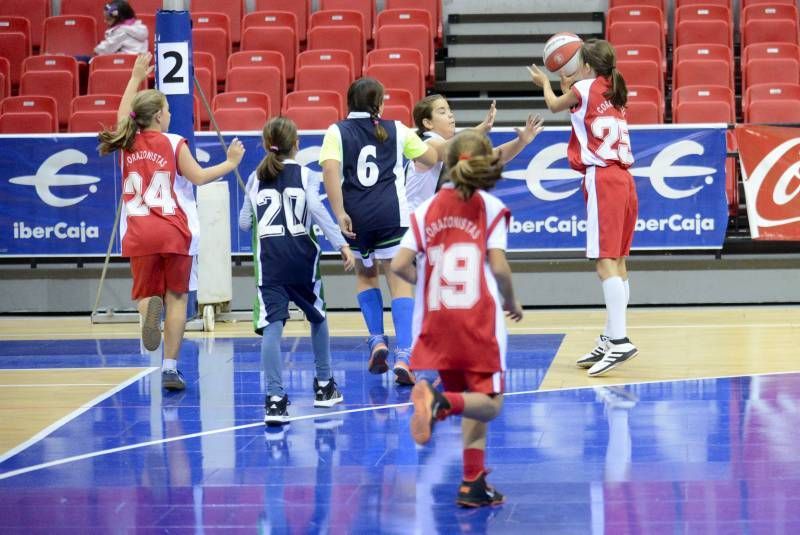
[378,353]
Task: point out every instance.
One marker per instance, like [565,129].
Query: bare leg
[366,277]
[174,323]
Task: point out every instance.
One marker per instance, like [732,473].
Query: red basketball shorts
[156,273]
[611,209]
[466,381]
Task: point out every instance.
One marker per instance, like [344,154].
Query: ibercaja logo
[770,159]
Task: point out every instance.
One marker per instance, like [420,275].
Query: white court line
[74,414]
[57,384]
[313,416]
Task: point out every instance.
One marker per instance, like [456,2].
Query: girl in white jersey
[436,124]
[599,147]
[159,225]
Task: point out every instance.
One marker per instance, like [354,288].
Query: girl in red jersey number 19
[458,239]
[600,148]
[159,228]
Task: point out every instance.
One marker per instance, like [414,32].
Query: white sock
[275,398]
[627,292]
[169,365]
[323,384]
[614,296]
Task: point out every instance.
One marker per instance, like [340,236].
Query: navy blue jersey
[373,188]
[287,250]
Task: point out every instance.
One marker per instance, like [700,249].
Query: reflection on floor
[690,456]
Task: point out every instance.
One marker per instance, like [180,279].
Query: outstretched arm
[198,175]
[554,103]
[525,135]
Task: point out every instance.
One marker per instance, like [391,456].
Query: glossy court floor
[698,434]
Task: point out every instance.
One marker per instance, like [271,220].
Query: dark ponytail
[472,163]
[366,95]
[600,56]
[280,137]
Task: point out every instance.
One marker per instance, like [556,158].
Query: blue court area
[700,456]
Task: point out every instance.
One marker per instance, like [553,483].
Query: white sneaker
[618,352]
[595,354]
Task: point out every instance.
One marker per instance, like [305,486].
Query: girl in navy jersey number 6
[362,165]
[600,148]
[159,227]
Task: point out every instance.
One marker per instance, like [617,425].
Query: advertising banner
[770,160]
[58,197]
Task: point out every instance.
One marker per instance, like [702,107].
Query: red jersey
[459,322]
[159,214]
[599,130]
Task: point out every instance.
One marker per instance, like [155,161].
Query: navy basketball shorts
[272,303]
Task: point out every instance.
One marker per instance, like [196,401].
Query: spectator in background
[125,34]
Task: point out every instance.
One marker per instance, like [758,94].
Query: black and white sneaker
[478,493]
[618,351]
[328,395]
[595,354]
[275,408]
[172,380]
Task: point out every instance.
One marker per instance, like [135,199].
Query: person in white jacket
[125,34]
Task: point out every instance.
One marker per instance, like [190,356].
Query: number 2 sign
[173,68]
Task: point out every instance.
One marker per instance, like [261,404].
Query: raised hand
[142,67]
[235,151]
[533,126]
[538,76]
[488,122]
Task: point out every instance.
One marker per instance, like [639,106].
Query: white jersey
[421,185]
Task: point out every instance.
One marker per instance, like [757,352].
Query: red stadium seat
[775,94]
[393,96]
[216,42]
[26,123]
[33,10]
[703,104]
[624,3]
[339,37]
[400,76]
[645,105]
[315,99]
[774,111]
[232,8]
[300,8]
[95,103]
[397,113]
[769,31]
[703,13]
[365,7]
[409,36]
[57,84]
[92,121]
[406,16]
[703,32]
[638,13]
[723,3]
[778,70]
[73,35]
[47,62]
[88,8]
[702,64]
[204,60]
[324,78]
[258,58]
[270,19]
[313,118]
[278,38]
[110,82]
[211,19]
[240,119]
[761,51]
[206,81]
[395,56]
[113,61]
[636,33]
[339,17]
[641,72]
[5,81]
[265,79]
[769,11]
[15,43]
[434,7]
[32,104]
[328,56]
[243,99]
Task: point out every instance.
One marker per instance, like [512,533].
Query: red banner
[770,159]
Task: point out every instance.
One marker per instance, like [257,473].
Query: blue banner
[58,197]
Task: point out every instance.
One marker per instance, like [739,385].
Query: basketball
[561,53]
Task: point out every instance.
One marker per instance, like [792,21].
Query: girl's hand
[538,76]
[346,225]
[533,126]
[142,67]
[348,259]
[235,151]
[513,310]
[488,122]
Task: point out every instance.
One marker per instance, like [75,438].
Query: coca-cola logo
[775,182]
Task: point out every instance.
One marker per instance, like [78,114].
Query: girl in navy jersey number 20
[600,148]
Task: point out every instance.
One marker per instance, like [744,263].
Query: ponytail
[120,138]
[366,95]
[618,95]
[280,137]
[472,163]
[380,131]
